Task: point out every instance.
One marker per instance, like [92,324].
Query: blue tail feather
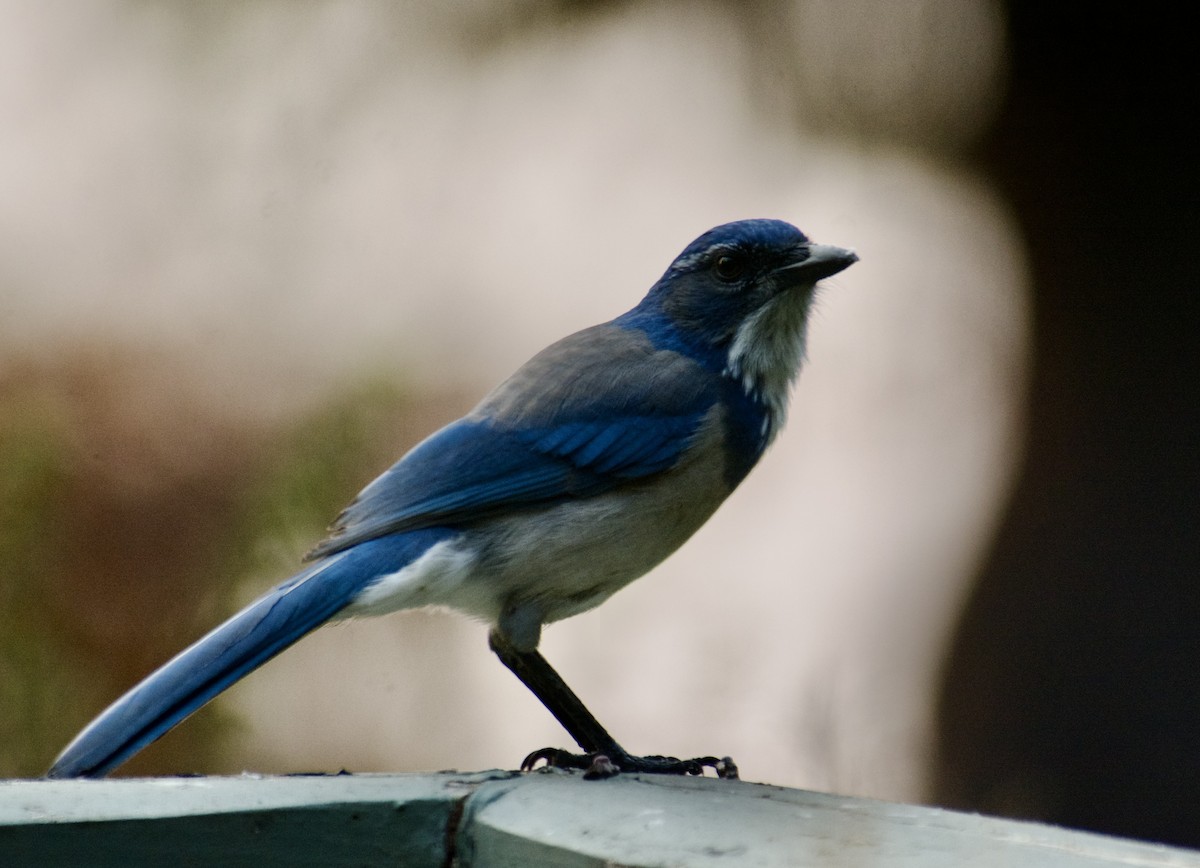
[234,649]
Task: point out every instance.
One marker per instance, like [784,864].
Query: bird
[581,472]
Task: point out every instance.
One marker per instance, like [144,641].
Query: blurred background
[250,252]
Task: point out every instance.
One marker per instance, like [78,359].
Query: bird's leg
[602,756]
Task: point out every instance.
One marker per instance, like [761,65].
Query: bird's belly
[564,559]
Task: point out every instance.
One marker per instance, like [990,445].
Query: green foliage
[35,670]
[73,629]
[314,469]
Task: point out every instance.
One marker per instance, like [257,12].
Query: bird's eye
[729,267]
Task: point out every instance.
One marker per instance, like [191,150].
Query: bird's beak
[823,260]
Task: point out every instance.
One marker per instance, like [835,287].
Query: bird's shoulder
[603,372]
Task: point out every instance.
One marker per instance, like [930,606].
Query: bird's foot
[607,763]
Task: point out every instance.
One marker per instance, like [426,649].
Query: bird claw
[608,763]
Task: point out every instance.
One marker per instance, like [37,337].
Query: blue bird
[581,472]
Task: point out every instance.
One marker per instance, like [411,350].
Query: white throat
[767,352]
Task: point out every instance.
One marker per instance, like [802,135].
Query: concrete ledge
[506,819]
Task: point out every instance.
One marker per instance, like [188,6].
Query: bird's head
[740,294]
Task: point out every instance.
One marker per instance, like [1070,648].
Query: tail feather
[234,649]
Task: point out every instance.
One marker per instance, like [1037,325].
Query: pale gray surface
[643,820]
[550,818]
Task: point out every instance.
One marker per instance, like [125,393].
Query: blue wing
[596,410]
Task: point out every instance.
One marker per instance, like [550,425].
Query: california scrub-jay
[578,474]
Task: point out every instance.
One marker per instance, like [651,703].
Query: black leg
[602,755]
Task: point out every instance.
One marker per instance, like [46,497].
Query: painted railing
[509,819]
